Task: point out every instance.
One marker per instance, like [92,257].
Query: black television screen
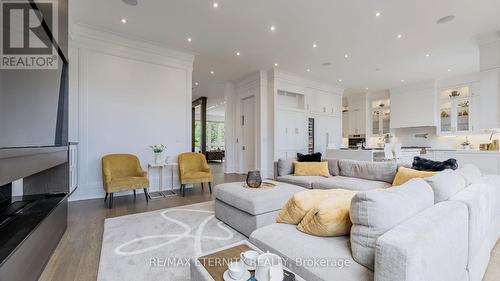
[33,73]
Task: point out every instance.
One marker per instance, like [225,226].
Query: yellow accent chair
[123,172]
[193,168]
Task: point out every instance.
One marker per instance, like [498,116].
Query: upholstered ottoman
[246,209]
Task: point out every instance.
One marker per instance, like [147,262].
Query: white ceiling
[337,26]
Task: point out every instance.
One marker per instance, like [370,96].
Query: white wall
[129,94]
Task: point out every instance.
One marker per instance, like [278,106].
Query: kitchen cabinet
[320,102]
[456,110]
[328,132]
[414,105]
[291,133]
[380,117]
[345,124]
[357,117]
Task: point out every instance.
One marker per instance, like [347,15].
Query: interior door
[248,134]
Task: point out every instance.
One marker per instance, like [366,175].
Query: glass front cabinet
[381,117]
[455,116]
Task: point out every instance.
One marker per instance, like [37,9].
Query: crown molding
[102,40]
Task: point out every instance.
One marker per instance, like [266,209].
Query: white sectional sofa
[446,239]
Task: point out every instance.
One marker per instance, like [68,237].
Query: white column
[489,51]
[230,121]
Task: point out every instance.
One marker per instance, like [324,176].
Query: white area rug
[158,245]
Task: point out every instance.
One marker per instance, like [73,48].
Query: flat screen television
[33,99]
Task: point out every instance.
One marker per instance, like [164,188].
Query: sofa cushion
[303,181]
[333,166]
[375,212]
[446,184]
[405,174]
[348,183]
[301,202]
[330,217]
[311,169]
[378,171]
[255,201]
[285,166]
[300,251]
[470,173]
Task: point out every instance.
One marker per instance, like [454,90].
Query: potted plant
[158,150]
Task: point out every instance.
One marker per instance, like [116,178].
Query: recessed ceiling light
[346,56]
[272,28]
[366,89]
[378,14]
[196,83]
[124,20]
[427,55]
[212,72]
[445,19]
[238,54]
[215,5]
[276,64]
[340,80]
[449,69]
[402,80]
[308,70]
[189,39]
[315,45]
[400,36]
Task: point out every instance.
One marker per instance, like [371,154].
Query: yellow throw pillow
[311,169]
[330,217]
[405,174]
[300,203]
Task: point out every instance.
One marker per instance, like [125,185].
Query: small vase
[254,180]
[157,157]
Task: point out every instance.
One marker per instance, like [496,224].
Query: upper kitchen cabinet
[290,101]
[456,114]
[321,102]
[414,105]
[380,117]
[357,109]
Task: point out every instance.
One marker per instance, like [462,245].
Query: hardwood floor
[77,255]
[76,258]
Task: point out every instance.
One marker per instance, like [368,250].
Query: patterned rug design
[158,245]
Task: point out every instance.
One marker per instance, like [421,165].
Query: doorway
[248,134]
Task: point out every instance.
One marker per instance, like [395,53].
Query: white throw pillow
[375,212]
[470,172]
[446,184]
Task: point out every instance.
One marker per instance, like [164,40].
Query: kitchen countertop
[465,150]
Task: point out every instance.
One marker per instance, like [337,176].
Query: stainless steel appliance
[355,141]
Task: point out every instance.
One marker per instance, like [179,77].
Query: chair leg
[145,193]
[183,188]
[106,197]
[202,186]
[134,193]
[111,200]
[210,187]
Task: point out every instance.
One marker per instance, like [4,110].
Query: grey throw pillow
[375,212]
[285,166]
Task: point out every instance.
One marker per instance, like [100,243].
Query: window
[215,136]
